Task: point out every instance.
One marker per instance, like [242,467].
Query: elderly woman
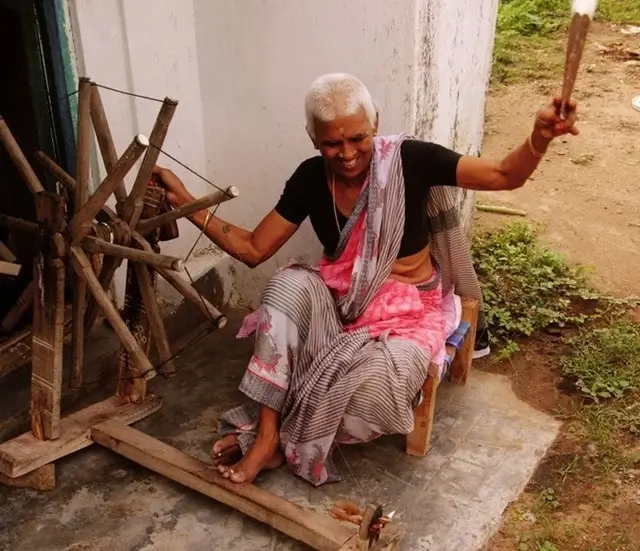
[342,349]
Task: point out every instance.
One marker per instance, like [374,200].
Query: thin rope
[124,92]
[191,170]
[203,333]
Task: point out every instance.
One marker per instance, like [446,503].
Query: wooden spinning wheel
[83,242]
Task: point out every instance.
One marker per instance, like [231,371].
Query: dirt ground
[585,200]
[586,194]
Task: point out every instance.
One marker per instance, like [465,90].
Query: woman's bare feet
[226,451]
[263,455]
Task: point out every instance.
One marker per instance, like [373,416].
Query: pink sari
[342,350]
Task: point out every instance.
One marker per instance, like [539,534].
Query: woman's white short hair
[337,95]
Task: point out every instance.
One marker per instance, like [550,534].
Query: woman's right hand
[177,193]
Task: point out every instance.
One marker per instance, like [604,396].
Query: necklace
[333,196]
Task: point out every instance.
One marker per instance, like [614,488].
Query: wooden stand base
[316,531]
[26,453]
[42,479]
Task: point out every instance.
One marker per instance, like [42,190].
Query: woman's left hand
[550,125]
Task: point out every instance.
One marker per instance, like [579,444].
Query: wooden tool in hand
[583,12]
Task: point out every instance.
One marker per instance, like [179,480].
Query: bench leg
[463,358]
[418,440]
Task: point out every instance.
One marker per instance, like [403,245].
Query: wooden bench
[460,359]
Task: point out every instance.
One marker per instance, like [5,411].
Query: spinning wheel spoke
[83,160]
[105,140]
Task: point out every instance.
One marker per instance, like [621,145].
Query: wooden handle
[205,202]
[97,245]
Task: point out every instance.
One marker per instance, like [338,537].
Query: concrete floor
[486,445]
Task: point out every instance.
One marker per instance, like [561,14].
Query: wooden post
[143,369]
[135,313]
[81,191]
[418,441]
[48,320]
[146,282]
[18,158]
[80,224]
[464,357]
[132,208]
[105,140]
[146,226]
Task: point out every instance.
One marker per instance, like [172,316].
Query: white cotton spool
[585,7]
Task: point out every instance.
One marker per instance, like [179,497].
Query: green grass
[529,36]
[606,362]
[604,366]
[526,286]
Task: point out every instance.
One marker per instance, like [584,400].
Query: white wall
[240,70]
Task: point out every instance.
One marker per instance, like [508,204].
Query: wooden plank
[9,268]
[18,158]
[146,226]
[26,453]
[105,140]
[143,368]
[316,531]
[132,208]
[462,361]
[48,320]
[19,309]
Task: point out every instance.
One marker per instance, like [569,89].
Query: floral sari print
[341,349]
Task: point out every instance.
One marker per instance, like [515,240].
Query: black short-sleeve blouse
[424,164]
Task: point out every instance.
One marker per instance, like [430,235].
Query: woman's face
[346,144]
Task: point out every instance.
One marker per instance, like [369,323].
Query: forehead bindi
[344,128]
